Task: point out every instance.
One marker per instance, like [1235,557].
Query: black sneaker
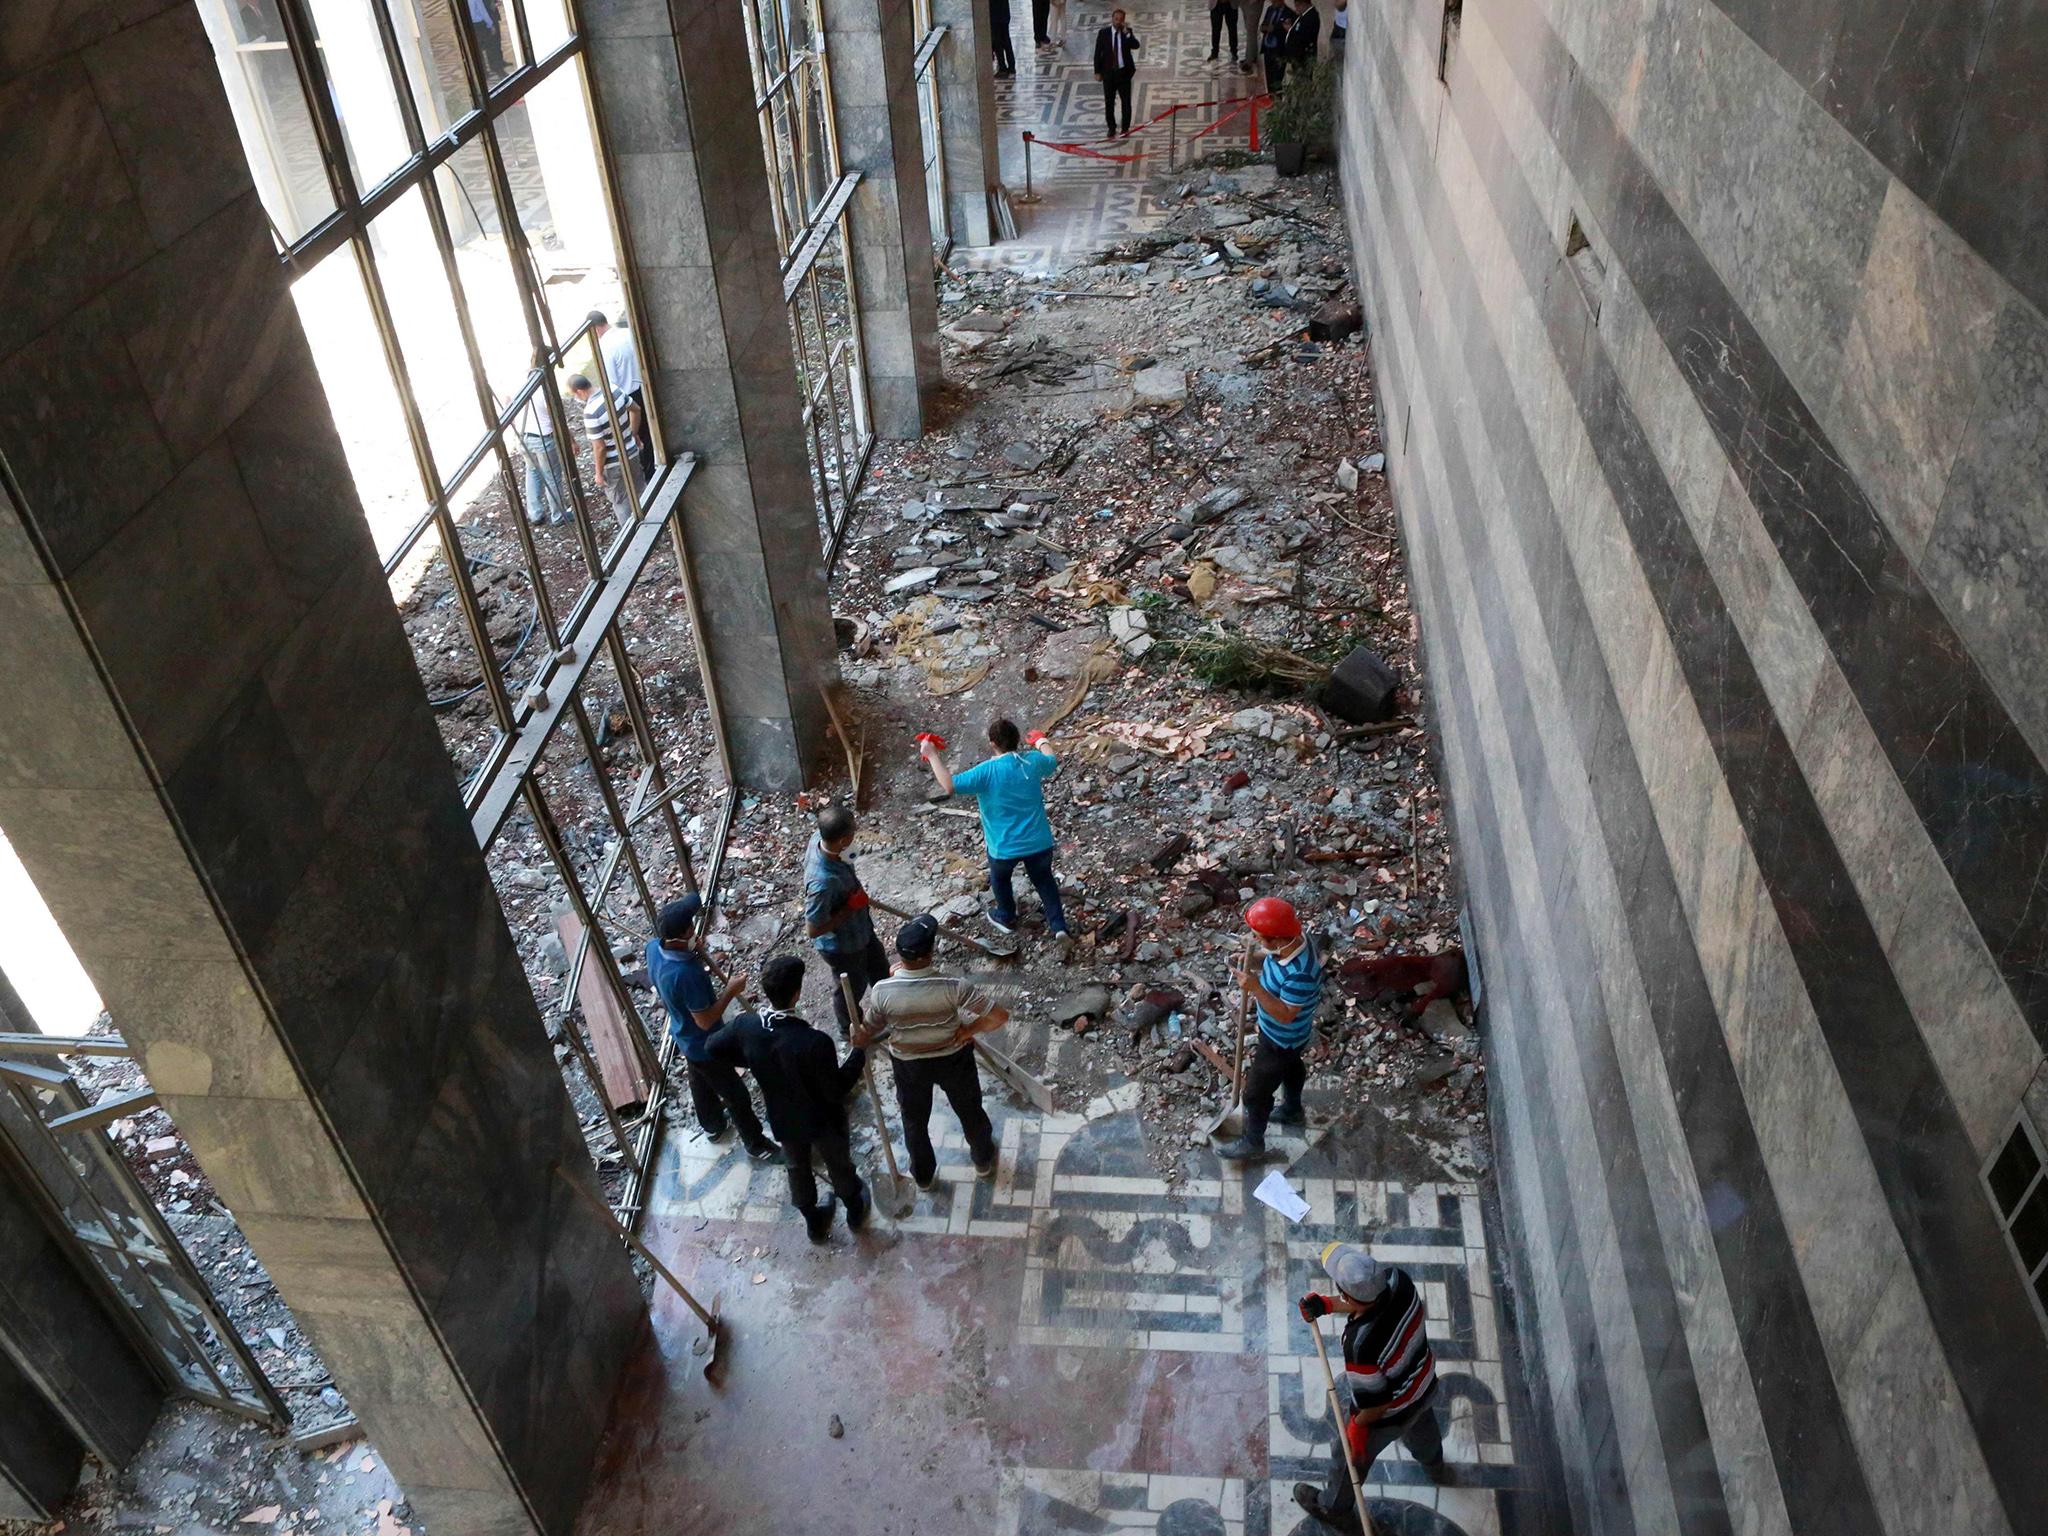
[997,923]
[928,1181]
[1242,1150]
[857,1215]
[769,1153]
[818,1219]
[1212,55]
[1286,1116]
[986,1170]
[1310,1498]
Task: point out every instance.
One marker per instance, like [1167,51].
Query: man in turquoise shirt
[1008,791]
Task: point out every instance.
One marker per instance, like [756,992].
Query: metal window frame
[526,711]
[929,122]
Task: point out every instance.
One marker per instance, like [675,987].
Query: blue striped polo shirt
[1298,982]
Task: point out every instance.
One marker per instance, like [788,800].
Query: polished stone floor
[1074,1346]
[1085,203]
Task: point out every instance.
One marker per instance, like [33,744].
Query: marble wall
[1714,381]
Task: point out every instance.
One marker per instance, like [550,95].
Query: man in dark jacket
[837,919]
[1273,25]
[1116,60]
[1388,1387]
[695,1009]
[805,1086]
[1302,33]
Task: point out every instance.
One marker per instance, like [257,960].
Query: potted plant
[1304,117]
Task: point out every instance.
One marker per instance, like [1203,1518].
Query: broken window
[1588,270]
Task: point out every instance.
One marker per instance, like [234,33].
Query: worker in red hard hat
[1285,984]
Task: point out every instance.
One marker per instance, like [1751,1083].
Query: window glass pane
[270,111]
[551,162]
[360,79]
[2013,1172]
[484,262]
[2030,1228]
[357,377]
[431,51]
[423,314]
[547,22]
[541,473]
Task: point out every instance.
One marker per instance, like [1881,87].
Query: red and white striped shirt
[1388,1364]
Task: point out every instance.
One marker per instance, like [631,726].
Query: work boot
[857,1214]
[1290,1114]
[1246,1149]
[818,1219]
[1310,1498]
[765,1151]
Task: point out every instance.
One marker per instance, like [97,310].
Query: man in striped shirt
[1285,986]
[929,1022]
[614,444]
[1388,1388]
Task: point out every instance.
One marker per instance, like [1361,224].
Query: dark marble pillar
[217,763]
[676,104]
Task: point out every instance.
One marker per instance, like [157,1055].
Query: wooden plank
[1015,1076]
[611,1033]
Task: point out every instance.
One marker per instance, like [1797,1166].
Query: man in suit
[1116,60]
[1302,33]
[999,32]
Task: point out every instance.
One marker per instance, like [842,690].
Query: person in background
[547,496]
[805,1086]
[999,36]
[1303,28]
[614,444]
[1008,791]
[1116,61]
[1056,22]
[1040,12]
[1285,987]
[1388,1386]
[929,1022]
[621,356]
[676,966]
[488,24]
[1222,13]
[1340,26]
[1273,27]
[837,919]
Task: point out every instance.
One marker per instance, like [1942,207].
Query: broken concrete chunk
[1441,1023]
[1335,320]
[1347,475]
[1224,498]
[1127,624]
[1361,689]
[968,498]
[1083,1002]
[916,577]
[1170,852]
[1161,384]
[1195,900]
[1026,456]
[1375,464]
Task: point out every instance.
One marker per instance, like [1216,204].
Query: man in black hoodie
[805,1086]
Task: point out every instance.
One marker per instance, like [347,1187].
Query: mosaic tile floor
[1085,203]
[1089,1349]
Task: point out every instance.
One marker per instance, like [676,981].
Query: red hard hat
[1272,918]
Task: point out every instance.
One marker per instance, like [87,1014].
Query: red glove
[934,738]
[857,902]
[1033,738]
[1355,1435]
[1314,1305]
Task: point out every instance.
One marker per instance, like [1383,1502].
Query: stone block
[1362,689]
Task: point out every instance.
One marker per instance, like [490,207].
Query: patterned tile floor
[1073,1346]
[1086,203]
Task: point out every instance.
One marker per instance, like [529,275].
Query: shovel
[901,1200]
[1229,1125]
[714,1325]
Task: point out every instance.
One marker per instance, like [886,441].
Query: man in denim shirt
[836,916]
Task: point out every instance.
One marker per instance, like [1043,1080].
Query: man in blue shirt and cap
[1008,790]
[695,1008]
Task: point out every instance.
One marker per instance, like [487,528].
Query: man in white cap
[1388,1386]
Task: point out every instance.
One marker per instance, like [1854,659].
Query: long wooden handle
[1244,1010]
[944,931]
[640,1248]
[867,1069]
[1337,1422]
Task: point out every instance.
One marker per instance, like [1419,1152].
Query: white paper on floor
[1274,1190]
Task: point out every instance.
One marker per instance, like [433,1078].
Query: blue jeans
[546,501]
[1038,866]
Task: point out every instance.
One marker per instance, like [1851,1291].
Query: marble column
[967,118]
[675,101]
[218,765]
[871,45]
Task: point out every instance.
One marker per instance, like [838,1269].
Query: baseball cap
[916,938]
[1358,1274]
[674,919]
